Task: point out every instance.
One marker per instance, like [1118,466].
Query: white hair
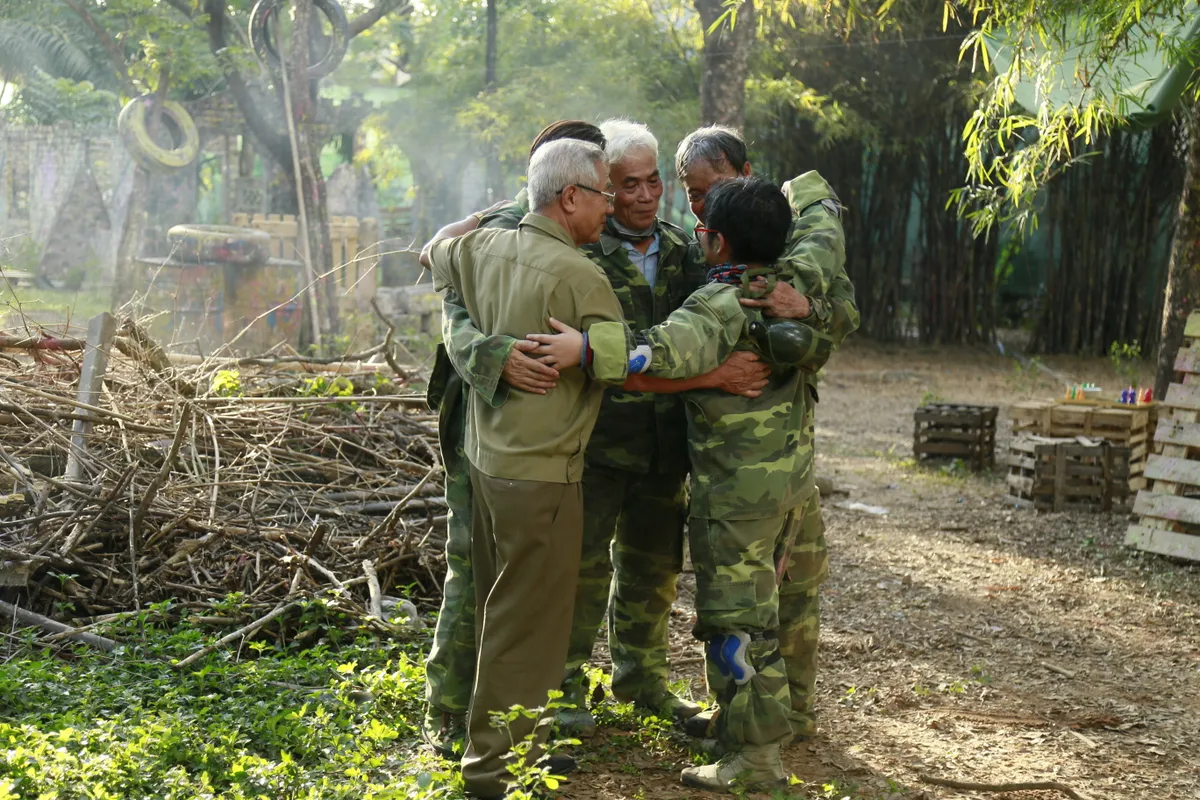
[558,164]
[623,136]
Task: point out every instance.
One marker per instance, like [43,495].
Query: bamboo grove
[882,119]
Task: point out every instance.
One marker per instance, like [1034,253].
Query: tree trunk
[311,183]
[495,173]
[1183,272]
[725,62]
[127,280]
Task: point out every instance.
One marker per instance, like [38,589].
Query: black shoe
[702,725]
[558,763]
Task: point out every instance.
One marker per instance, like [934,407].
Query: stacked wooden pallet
[1059,474]
[956,430]
[1124,426]
[1170,509]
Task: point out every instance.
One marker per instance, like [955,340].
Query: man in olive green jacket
[489,366]
[527,454]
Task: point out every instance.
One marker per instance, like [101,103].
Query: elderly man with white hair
[526,455]
[636,462]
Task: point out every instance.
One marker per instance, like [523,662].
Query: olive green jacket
[510,282]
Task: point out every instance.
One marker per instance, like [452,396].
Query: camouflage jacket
[639,431]
[816,255]
[750,458]
[509,215]
[466,355]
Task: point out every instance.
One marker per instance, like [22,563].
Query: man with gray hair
[822,297]
[636,462]
[526,455]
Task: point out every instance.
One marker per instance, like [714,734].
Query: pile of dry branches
[195,481]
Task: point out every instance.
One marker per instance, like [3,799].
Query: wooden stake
[302,208]
[91,379]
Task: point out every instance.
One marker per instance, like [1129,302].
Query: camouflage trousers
[736,590]
[631,560]
[450,668]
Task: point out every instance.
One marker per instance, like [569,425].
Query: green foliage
[530,780]
[266,721]
[1013,152]
[955,468]
[226,383]
[28,46]
[1126,358]
[629,58]
[45,100]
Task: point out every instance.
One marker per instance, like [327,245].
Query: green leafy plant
[227,383]
[1126,358]
[530,779]
[279,722]
[322,386]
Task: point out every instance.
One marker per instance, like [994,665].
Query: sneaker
[753,768]
[446,733]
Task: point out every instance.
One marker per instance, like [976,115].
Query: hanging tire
[223,244]
[134,132]
[266,48]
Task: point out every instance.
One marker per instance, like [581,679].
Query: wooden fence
[355,251]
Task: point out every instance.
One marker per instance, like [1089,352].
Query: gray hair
[623,136]
[558,164]
[714,144]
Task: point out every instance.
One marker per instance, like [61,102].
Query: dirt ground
[963,638]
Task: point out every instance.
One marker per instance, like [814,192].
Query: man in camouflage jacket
[824,298]
[751,473]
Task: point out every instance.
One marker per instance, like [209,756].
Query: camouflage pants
[631,560]
[450,668]
[736,590]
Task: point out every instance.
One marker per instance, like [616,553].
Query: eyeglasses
[699,229]
[608,196]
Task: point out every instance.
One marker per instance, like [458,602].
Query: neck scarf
[727,273]
[629,234]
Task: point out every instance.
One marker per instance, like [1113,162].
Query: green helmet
[790,343]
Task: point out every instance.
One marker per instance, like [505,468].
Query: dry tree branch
[1005,787]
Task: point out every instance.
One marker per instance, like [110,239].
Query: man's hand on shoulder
[526,373]
[783,301]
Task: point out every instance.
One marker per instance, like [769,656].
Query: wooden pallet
[1169,510]
[956,430]
[1123,425]
[1053,474]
